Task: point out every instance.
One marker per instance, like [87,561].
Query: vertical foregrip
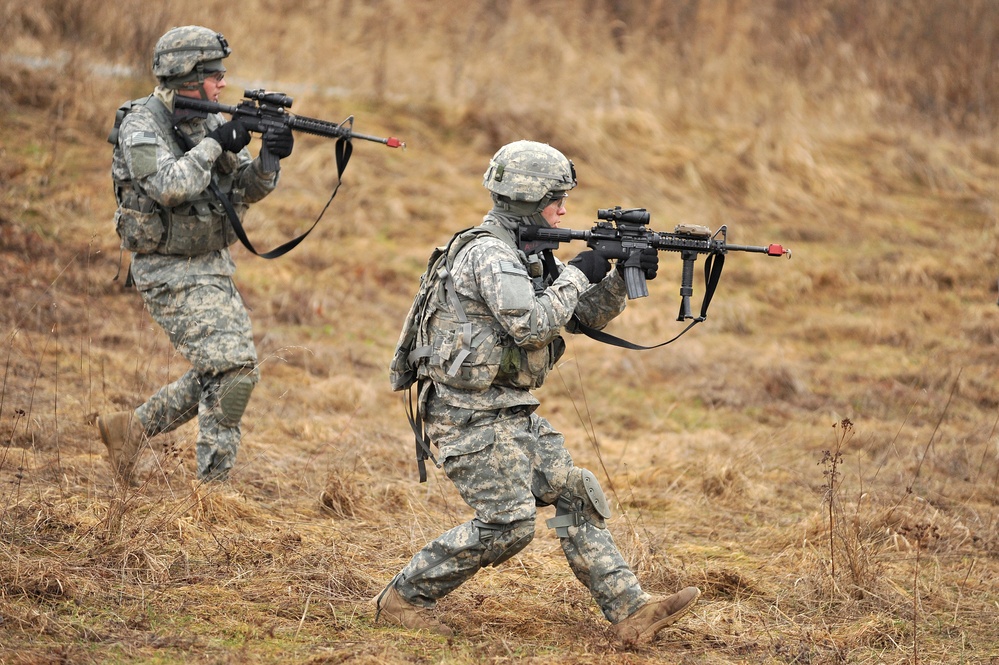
[686,285]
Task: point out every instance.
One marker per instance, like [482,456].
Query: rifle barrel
[316,127]
[769,250]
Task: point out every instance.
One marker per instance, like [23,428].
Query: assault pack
[436,290]
[414,349]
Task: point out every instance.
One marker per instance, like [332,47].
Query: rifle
[621,234]
[261,110]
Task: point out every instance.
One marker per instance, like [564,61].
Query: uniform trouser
[503,463]
[207,322]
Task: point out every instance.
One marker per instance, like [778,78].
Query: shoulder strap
[120,114]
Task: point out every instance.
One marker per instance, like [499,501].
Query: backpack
[431,295]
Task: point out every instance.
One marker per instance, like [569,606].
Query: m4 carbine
[261,110]
[621,234]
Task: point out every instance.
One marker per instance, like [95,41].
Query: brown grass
[860,134]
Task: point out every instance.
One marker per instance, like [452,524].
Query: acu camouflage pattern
[502,457]
[180,50]
[493,281]
[206,321]
[528,171]
[192,297]
[165,205]
[502,461]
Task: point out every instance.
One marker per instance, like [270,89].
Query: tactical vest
[197,226]
[456,341]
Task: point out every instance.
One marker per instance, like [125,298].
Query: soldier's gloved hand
[279,142]
[649,263]
[593,264]
[232,136]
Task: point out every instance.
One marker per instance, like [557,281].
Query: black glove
[593,264]
[649,263]
[232,136]
[279,142]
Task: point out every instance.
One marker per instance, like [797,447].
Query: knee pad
[234,394]
[581,501]
[502,541]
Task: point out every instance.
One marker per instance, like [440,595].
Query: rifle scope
[626,215]
[264,97]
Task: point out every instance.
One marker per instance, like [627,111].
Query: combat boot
[643,624]
[392,608]
[122,433]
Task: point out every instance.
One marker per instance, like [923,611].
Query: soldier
[172,169]
[488,336]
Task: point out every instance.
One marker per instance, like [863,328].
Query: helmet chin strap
[526,212]
[537,219]
[200,68]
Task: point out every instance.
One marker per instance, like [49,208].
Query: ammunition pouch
[200,226]
[464,355]
[528,368]
[138,222]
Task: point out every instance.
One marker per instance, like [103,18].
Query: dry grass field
[820,456]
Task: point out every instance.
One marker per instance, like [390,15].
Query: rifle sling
[713,265]
[343,149]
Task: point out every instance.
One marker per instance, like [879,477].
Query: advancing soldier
[487,335]
[175,173]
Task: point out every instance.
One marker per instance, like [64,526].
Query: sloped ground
[819,456]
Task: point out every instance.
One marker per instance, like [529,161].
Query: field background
[820,456]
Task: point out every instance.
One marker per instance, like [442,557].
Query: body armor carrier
[196,226]
[455,341]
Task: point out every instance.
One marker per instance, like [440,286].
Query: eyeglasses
[216,76]
[559,199]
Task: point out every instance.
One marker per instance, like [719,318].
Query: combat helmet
[185,54]
[524,176]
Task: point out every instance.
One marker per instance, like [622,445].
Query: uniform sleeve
[149,157]
[252,179]
[603,301]
[490,272]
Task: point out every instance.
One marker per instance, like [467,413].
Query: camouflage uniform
[194,298]
[503,458]
[179,234]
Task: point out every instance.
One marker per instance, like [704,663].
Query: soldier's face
[214,84]
[553,212]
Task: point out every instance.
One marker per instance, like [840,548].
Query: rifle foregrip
[686,286]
